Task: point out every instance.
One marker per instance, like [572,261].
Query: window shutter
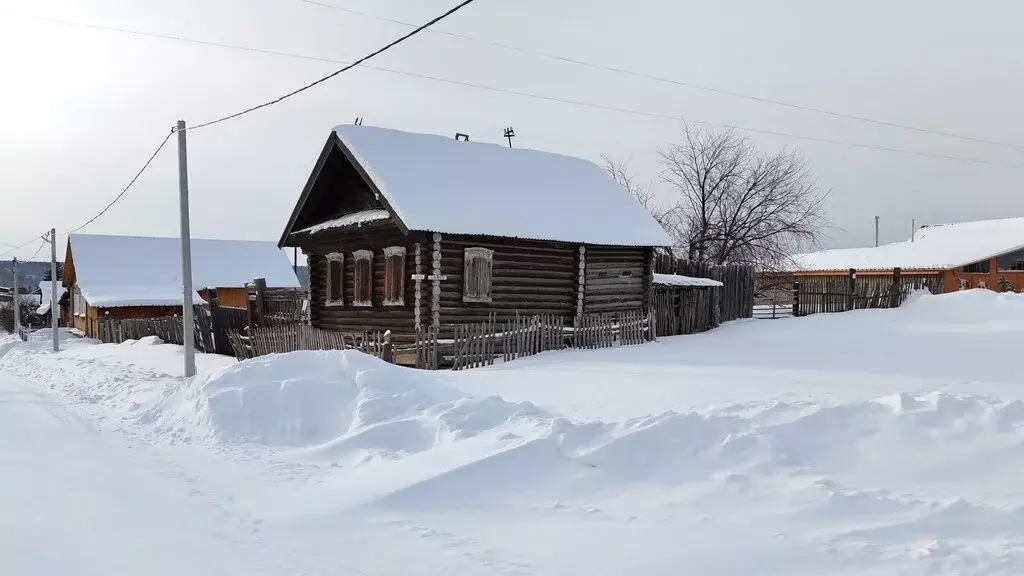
[394,276]
[363,285]
[476,285]
[335,279]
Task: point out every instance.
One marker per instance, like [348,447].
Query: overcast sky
[83,108]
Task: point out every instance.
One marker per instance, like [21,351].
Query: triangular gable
[321,200]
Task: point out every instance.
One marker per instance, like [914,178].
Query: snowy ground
[870,442]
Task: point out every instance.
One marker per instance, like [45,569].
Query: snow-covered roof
[46,290]
[936,247]
[436,183]
[347,220]
[677,280]
[116,271]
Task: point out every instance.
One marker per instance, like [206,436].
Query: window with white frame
[362,277]
[335,279]
[394,276]
[477,275]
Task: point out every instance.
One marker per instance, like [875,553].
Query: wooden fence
[843,292]
[736,297]
[167,328]
[686,310]
[284,338]
[482,343]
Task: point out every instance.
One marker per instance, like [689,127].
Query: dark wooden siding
[527,276]
[616,278]
[347,318]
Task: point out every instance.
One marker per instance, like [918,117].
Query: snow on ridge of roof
[146,271]
[936,247]
[346,220]
[436,183]
[678,280]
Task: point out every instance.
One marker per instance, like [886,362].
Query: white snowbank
[339,402]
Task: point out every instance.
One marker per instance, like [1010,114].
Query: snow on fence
[283,338]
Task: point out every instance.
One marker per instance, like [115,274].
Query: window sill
[478,300]
[393,303]
[362,304]
[334,304]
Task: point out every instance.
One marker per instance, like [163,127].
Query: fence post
[894,295]
[853,287]
[796,299]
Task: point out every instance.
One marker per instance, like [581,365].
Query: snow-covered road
[76,500]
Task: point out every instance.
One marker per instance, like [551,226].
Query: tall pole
[913,228]
[54,308]
[876,231]
[188,323]
[17,301]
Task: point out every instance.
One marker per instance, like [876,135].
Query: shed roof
[435,183]
[687,281]
[116,271]
[937,247]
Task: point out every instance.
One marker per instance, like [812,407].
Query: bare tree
[735,204]
[665,213]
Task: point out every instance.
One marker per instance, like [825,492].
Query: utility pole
[54,308]
[188,323]
[876,231]
[913,228]
[17,301]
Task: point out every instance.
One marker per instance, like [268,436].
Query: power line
[41,244]
[674,82]
[20,246]
[533,95]
[126,188]
[369,56]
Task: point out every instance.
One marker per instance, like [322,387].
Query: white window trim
[340,258]
[389,252]
[470,254]
[358,256]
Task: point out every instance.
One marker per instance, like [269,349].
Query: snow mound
[967,306]
[334,404]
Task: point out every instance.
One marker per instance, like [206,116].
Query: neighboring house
[140,277]
[408,230]
[944,257]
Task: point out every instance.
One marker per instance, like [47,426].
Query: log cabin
[140,277]
[407,231]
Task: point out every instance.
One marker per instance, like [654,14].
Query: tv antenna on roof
[359,121]
[461,136]
[510,133]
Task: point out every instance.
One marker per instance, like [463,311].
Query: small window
[477,277]
[980,267]
[363,278]
[335,279]
[394,276]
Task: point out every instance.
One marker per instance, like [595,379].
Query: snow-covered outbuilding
[408,230]
[943,257]
[140,277]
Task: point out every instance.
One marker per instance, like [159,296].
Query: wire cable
[539,96]
[369,56]
[38,250]
[671,81]
[19,247]
[128,187]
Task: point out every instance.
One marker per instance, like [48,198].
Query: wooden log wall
[401,320]
[616,279]
[528,277]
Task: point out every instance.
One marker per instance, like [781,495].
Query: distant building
[943,258]
[405,231]
[140,277]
